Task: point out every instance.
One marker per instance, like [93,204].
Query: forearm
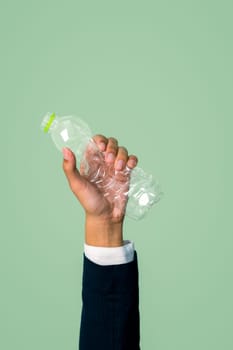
[110,313]
[102,232]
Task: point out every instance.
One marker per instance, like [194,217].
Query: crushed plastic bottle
[139,188]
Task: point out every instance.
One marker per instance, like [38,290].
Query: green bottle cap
[49,122]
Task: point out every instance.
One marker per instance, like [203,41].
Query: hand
[103,213]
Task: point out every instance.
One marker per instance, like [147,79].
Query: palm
[102,184]
[104,189]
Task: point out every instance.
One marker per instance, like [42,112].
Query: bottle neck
[53,125]
[49,122]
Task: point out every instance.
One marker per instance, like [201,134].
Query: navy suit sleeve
[110,311]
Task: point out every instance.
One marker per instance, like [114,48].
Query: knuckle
[112,145]
[64,167]
[72,187]
[99,138]
[113,140]
[123,150]
[71,184]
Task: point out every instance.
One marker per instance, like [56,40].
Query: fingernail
[110,157]
[102,146]
[131,163]
[119,164]
[66,154]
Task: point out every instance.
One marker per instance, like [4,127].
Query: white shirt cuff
[110,255]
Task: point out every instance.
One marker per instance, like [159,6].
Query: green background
[158,76]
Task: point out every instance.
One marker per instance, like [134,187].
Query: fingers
[101,142]
[107,145]
[69,166]
[121,159]
[111,150]
[132,161]
[115,154]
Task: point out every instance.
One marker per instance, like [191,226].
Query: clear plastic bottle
[141,190]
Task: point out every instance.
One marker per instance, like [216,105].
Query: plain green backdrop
[158,76]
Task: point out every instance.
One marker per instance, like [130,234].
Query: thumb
[69,166]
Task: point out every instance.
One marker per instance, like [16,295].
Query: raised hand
[104,199]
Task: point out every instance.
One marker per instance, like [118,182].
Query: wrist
[102,232]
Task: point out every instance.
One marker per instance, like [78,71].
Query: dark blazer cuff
[121,278]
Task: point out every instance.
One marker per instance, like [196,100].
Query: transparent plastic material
[139,189]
